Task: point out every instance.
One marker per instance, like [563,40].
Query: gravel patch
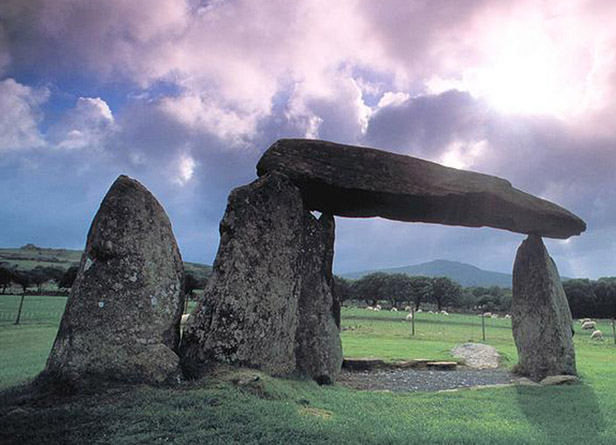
[405,380]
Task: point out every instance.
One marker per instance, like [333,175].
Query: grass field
[214,410]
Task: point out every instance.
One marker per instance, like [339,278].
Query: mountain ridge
[463,273]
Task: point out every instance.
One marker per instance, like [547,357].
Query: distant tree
[605,293]
[370,288]
[6,277]
[343,288]
[421,289]
[581,297]
[41,275]
[68,278]
[191,283]
[23,279]
[445,291]
[399,288]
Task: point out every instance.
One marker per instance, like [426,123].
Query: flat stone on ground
[443,366]
[477,355]
[559,380]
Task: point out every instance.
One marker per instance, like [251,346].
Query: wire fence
[36,309]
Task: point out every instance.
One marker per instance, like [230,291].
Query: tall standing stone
[541,318]
[121,320]
[318,348]
[248,315]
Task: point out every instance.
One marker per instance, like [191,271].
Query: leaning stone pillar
[541,318]
[318,348]
[248,316]
[122,317]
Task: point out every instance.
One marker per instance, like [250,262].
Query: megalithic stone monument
[121,320]
[541,318]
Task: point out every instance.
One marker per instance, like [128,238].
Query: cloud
[20,115]
[88,125]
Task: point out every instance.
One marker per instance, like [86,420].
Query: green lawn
[215,410]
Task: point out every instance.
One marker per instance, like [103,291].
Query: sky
[186,95]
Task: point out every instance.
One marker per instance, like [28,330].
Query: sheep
[507,316]
[369,308]
[589,325]
[487,314]
[407,309]
[444,312]
[430,312]
[585,320]
[378,306]
[418,311]
[409,317]
[494,316]
[597,335]
[393,309]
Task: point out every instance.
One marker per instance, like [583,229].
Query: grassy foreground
[217,410]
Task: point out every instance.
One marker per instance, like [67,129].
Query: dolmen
[271,301]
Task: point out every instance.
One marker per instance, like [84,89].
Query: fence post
[21,303]
[483,326]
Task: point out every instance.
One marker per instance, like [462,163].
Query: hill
[465,274]
[29,256]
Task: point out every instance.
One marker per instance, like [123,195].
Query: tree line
[587,298]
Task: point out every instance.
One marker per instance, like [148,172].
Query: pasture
[217,410]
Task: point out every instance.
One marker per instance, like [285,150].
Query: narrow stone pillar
[541,318]
[248,316]
[318,348]
[121,320]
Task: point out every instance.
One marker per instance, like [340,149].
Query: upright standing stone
[122,317]
[318,348]
[541,318]
[248,315]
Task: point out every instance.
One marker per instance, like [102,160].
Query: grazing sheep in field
[584,320]
[378,306]
[494,316]
[507,316]
[419,310]
[430,312]
[487,314]
[407,309]
[393,309]
[597,335]
[409,317]
[444,312]
[369,308]
[589,325]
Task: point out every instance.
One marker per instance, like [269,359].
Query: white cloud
[20,115]
[393,99]
[87,125]
[185,168]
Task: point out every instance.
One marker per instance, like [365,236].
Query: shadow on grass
[565,414]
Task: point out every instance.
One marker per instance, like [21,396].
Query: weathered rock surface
[248,315]
[541,318]
[318,349]
[362,182]
[122,317]
[477,355]
[559,380]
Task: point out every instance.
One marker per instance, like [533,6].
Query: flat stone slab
[443,366]
[559,380]
[354,181]
[477,355]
